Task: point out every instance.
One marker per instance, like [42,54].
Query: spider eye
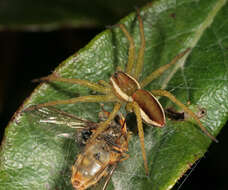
[150,109]
[115,74]
[124,85]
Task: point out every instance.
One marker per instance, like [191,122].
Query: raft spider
[126,88]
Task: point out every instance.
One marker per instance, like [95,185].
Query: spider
[125,88]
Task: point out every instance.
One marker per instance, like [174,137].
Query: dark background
[28,55]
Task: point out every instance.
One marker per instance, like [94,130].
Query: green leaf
[52,14]
[34,157]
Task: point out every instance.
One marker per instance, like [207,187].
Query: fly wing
[105,181]
[51,115]
[62,124]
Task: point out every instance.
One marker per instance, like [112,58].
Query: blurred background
[29,53]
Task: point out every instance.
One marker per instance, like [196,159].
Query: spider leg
[131,50]
[162,69]
[141,134]
[140,58]
[185,108]
[90,98]
[86,83]
[104,83]
[102,126]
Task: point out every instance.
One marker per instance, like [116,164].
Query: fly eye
[116,75]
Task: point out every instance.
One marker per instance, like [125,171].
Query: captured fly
[98,159]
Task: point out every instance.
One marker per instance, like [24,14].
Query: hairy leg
[162,69]
[90,98]
[102,126]
[131,50]
[141,134]
[185,108]
[81,82]
[140,57]
[104,83]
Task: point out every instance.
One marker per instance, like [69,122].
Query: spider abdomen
[150,109]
